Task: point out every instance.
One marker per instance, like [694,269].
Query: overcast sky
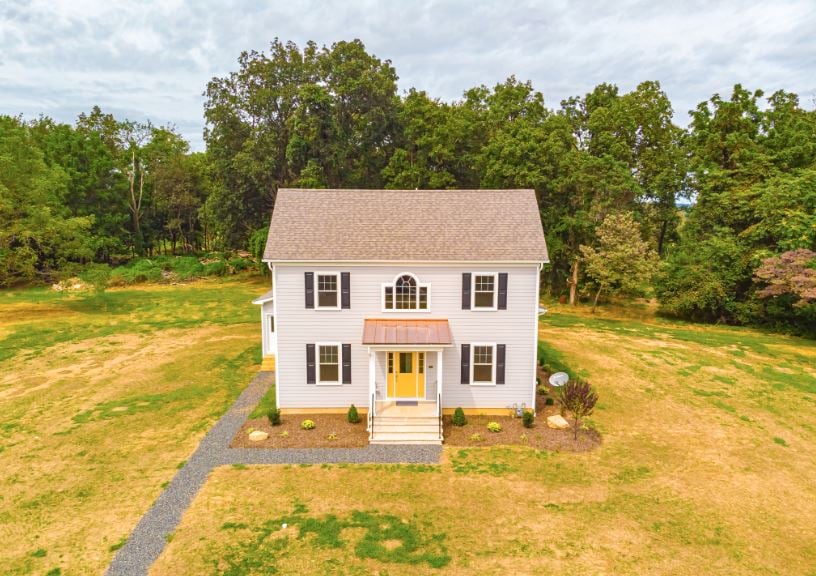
[153,59]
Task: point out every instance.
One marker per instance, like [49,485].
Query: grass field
[707,467]
[707,464]
[101,400]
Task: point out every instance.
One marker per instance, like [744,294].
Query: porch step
[405,430]
[406,438]
[406,421]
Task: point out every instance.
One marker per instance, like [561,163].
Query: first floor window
[271,324]
[329,363]
[327,291]
[483,364]
[484,291]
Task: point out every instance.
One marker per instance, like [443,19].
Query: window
[421,362]
[483,364]
[484,291]
[406,359]
[271,324]
[405,293]
[327,291]
[329,355]
[390,362]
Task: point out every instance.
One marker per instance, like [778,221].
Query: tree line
[630,201]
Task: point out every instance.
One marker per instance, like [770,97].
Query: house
[405,303]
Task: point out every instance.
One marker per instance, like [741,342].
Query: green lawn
[101,399]
[707,467]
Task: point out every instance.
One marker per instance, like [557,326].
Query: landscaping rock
[258,435]
[558,422]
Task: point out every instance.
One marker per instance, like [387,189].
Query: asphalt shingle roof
[406,225]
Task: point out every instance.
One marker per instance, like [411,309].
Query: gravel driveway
[147,540]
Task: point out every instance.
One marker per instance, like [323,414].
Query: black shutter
[502,290]
[345,290]
[500,353]
[309,277]
[346,363]
[310,363]
[466,291]
[465,363]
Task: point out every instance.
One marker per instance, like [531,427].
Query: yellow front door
[406,374]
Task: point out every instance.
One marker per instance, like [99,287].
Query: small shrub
[284,434]
[538,381]
[542,390]
[238,264]
[217,268]
[549,401]
[459,417]
[528,418]
[494,427]
[476,437]
[352,416]
[524,439]
[331,436]
[307,425]
[274,416]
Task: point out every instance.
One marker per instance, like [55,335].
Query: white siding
[296,326]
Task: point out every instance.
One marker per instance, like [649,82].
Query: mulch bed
[540,436]
[348,435]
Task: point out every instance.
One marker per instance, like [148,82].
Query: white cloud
[153,59]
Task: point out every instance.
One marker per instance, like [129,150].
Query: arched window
[405,293]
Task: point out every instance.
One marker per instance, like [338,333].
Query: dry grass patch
[708,449]
[99,403]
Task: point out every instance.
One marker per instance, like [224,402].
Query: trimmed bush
[352,416]
[542,390]
[274,416]
[549,401]
[459,417]
[528,419]
[494,427]
[307,425]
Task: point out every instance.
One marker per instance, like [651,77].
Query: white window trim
[317,290]
[473,364]
[339,381]
[495,292]
[393,284]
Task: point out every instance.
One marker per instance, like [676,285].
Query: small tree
[789,274]
[459,417]
[622,262]
[352,416]
[578,397]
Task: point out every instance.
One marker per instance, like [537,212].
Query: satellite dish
[559,379]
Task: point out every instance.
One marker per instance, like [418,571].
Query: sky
[152,60]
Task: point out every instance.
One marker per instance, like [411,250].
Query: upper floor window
[328,290]
[484,291]
[405,293]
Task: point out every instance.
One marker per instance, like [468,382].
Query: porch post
[372,384]
[439,372]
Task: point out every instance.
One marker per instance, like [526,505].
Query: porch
[406,380]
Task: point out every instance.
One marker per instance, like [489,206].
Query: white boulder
[558,422]
[258,435]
